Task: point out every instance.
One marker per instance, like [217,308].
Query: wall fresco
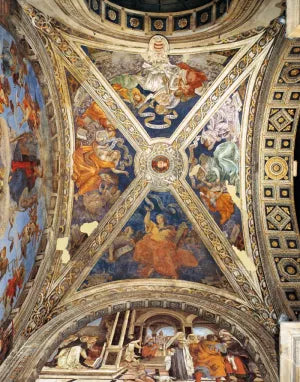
[160,89]
[154,344]
[158,241]
[23,171]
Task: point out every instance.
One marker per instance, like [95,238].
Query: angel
[31,111]
[95,114]
[3,262]
[4,93]
[13,284]
[30,231]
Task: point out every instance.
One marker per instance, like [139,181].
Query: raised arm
[147,221]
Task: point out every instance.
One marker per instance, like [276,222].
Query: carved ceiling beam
[274,209]
[101,91]
[234,270]
[76,15]
[53,291]
[209,233]
[89,77]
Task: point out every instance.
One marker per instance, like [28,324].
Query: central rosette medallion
[161,164]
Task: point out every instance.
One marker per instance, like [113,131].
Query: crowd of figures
[214,357]
[22,191]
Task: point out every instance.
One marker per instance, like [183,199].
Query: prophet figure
[212,173]
[89,162]
[164,85]
[95,114]
[207,358]
[160,249]
[218,201]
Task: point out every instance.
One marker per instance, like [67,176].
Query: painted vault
[161,182]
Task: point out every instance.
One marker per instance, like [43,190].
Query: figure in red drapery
[160,251]
[193,79]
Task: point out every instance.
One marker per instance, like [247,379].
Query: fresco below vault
[158,241]
[160,89]
[102,162]
[23,172]
[154,344]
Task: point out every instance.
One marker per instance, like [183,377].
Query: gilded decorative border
[276,126]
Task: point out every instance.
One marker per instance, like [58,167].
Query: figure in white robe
[182,367]
[69,355]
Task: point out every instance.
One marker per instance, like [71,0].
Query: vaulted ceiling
[169,162]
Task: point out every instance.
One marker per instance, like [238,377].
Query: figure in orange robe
[158,250]
[207,356]
[218,201]
[86,169]
[96,114]
[149,349]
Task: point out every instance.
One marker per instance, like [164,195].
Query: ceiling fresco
[102,162]
[160,98]
[173,190]
[214,170]
[23,171]
[158,241]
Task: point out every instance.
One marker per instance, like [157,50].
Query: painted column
[290,352]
